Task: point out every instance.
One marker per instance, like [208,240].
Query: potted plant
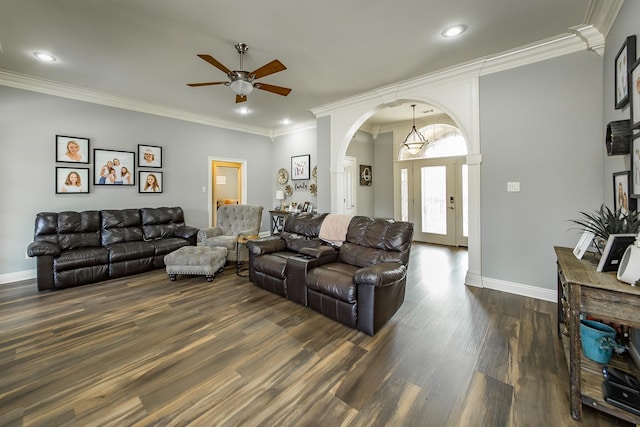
[604,222]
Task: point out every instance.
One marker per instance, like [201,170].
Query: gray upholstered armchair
[233,221]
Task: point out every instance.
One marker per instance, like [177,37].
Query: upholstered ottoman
[202,260]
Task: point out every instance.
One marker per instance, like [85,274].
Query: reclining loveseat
[77,248]
[361,284]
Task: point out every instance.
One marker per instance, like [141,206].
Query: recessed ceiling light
[243,110]
[42,56]
[286,122]
[454,30]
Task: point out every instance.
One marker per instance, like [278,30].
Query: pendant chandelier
[414,142]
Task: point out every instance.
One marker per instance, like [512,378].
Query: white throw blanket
[334,228]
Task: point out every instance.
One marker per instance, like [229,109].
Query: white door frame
[243,196]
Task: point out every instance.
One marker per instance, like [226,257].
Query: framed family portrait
[72,180]
[634,93]
[300,167]
[635,166]
[621,186]
[72,149]
[150,182]
[624,59]
[111,167]
[149,156]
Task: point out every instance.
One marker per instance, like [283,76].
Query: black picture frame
[149,156]
[625,57]
[366,175]
[300,167]
[64,182]
[104,161]
[634,94]
[144,187]
[65,143]
[613,251]
[621,192]
[635,166]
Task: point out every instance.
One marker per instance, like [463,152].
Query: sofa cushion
[165,246]
[130,250]
[78,258]
[78,229]
[335,280]
[273,265]
[121,226]
[161,223]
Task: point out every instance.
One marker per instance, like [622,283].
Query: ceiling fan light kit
[242,82]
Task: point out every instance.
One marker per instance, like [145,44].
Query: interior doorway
[227,185]
[350,176]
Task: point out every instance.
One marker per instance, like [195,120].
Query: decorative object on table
[598,340]
[624,59]
[72,149]
[288,190]
[313,189]
[618,137]
[300,167]
[314,173]
[113,167]
[280,198]
[283,176]
[366,176]
[293,207]
[629,269]
[150,182]
[72,180]
[612,254]
[586,240]
[604,222]
[149,156]
[634,94]
[621,190]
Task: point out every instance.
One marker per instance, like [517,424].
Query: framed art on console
[72,180]
[111,167]
[71,149]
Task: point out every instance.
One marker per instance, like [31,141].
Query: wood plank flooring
[143,351]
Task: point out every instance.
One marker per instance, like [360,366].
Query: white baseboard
[17,276]
[473,279]
[520,289]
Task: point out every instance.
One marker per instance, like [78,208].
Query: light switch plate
[513,186]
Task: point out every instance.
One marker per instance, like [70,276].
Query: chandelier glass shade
[414,141]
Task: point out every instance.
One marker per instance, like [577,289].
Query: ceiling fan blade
[241,98]
[211,60]
[205,84]
[284,91]
[270,68]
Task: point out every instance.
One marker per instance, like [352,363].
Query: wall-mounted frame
[621,186]
[149,156]
[72,180]
[624,59]
[634,94]
[150,182]
[300,167]
[635,166]
[366,175]
[113,167]
[72,149]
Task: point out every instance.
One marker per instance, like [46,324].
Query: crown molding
[603,14]
[298,127]
[87,95]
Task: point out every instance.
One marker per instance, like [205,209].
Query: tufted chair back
[234,219]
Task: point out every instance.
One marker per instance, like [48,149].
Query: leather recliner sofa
[361,285]
[77,248]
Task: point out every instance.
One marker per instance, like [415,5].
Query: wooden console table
[583,290]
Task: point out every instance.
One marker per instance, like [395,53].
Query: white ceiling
[145,50]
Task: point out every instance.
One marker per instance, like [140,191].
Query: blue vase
[593,335]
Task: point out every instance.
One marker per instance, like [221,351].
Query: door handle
[451,203]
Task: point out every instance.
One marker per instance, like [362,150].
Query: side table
[241,243]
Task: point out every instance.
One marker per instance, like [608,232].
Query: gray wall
[299,143]
[30,121]
[539,125]
[361,147]
[383,175]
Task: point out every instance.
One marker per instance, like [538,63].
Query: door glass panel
[465,200]
[434,199]
[404,194]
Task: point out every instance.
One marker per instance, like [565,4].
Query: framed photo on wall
[634,93]
[621,186]
[366,175]
[150,182]
[72,180]
[111,167]
[635,166]
[300,167]
[149,156]
[72,149]
[624,59]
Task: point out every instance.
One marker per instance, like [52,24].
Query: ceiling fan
[242,82]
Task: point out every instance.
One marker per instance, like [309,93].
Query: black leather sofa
[361,285]
[77,248]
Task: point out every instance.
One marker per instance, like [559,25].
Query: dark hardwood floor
[143,350]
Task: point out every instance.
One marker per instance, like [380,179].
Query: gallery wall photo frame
[72,149]
[635,166]
[149,156]
[300,167]
[113,167]
[72,180]
[150,182]
[366,175]
[621,192]
[625,58]
[634,94]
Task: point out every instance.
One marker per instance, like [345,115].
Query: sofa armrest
[318,251]
[186,232]
[383,274]
[266,246]
[43,249]
[205,233]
